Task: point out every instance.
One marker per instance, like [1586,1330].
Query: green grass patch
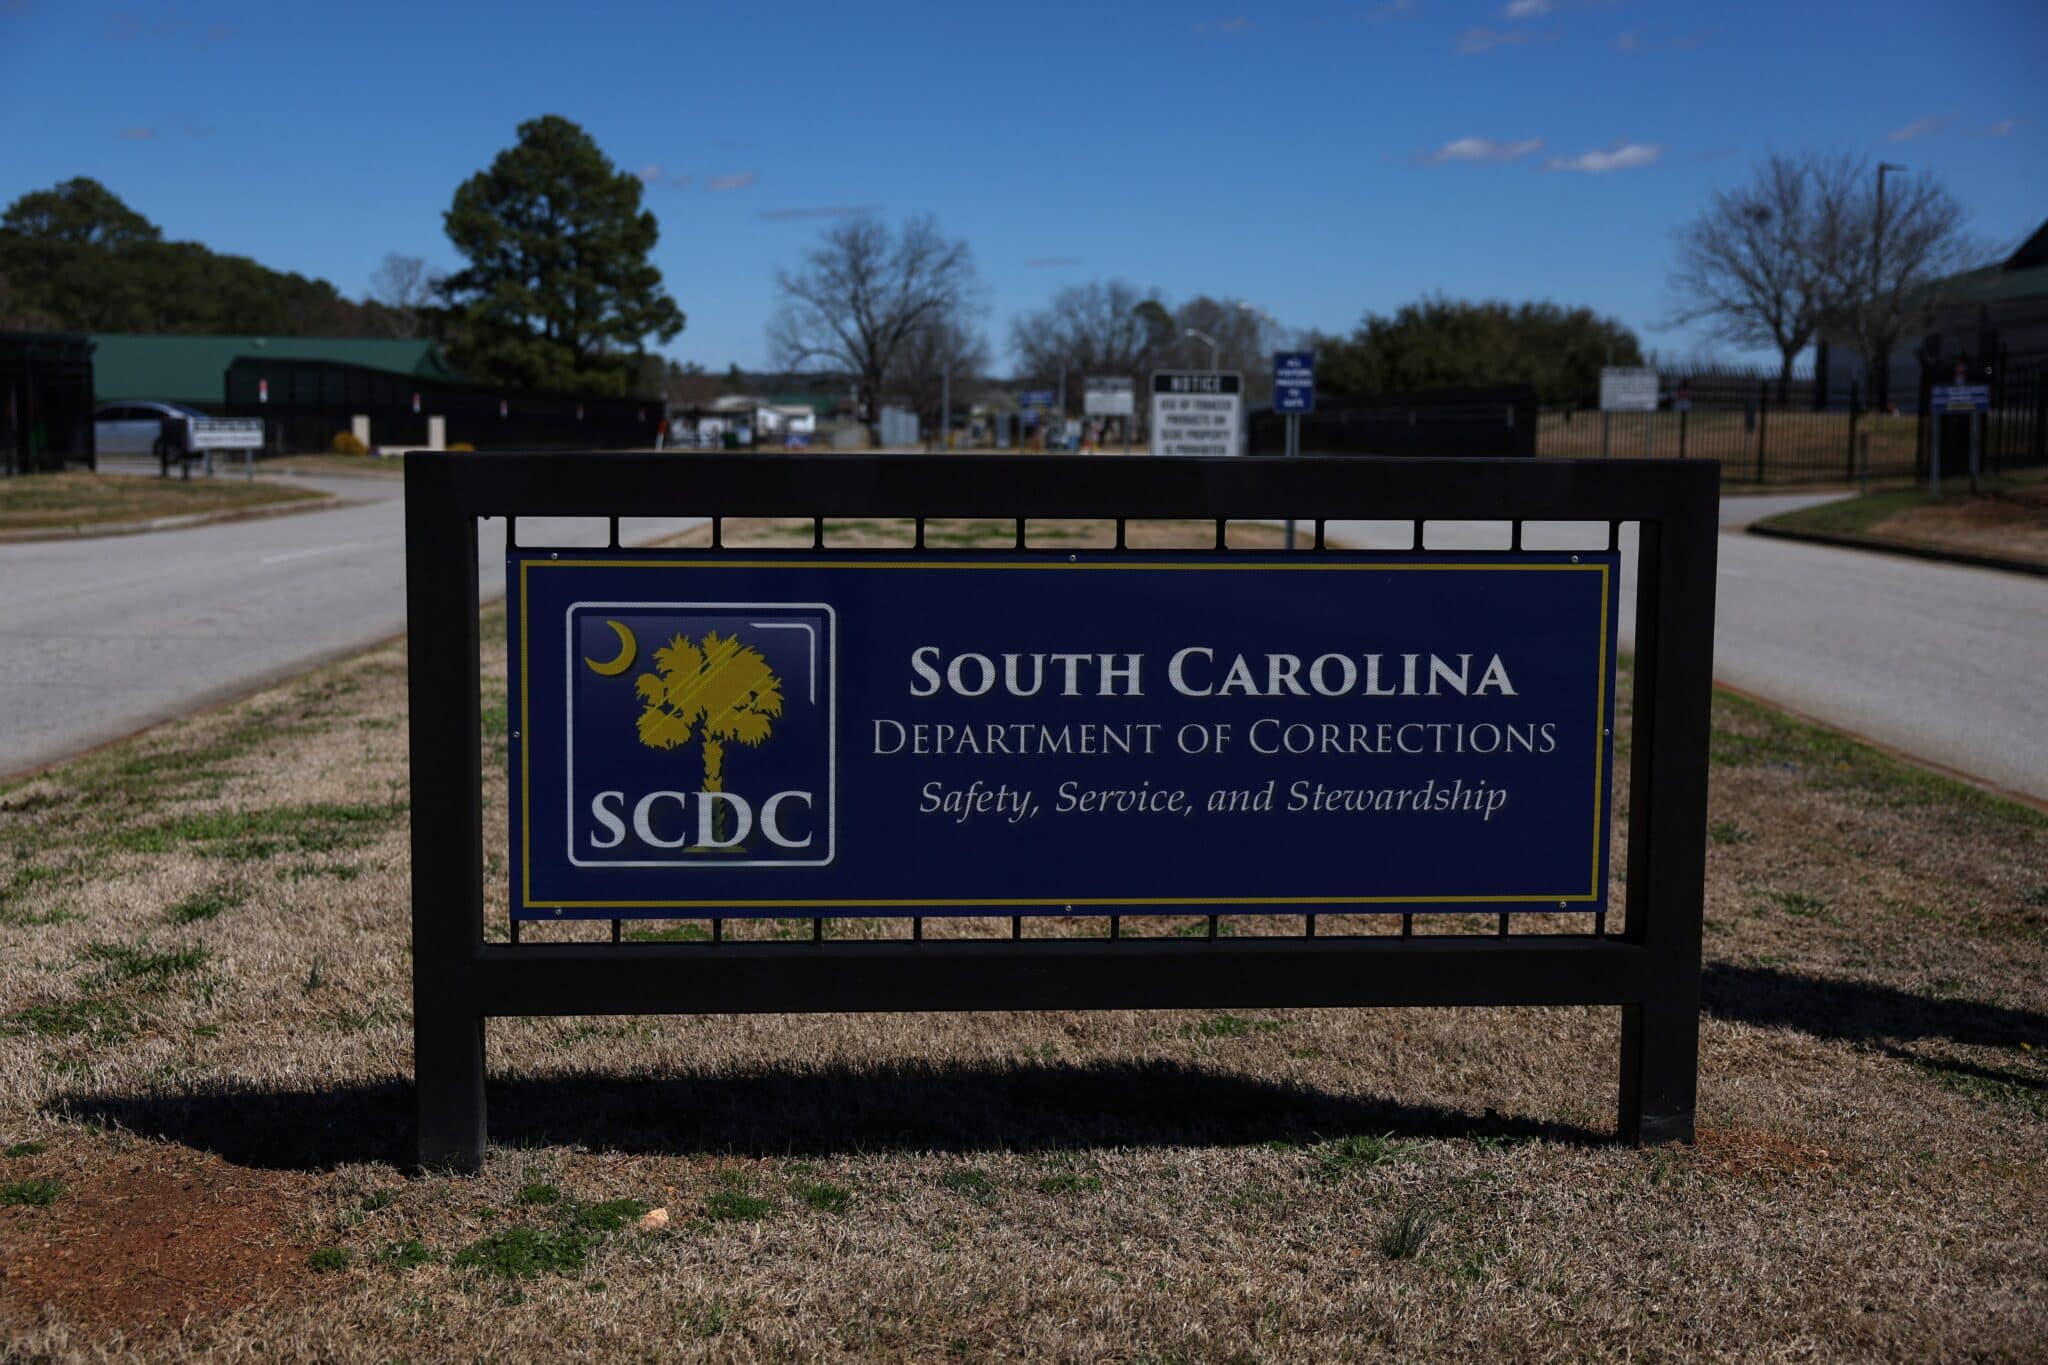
[539,1192]
[105,1021]
[970,1183]
[823,1197]
[140,964]
[1403,1238]
[523,1253]
[2026,1097]
[21,1149]
[1730,833]
[328,1259]
[1799,904]
[206,905]
[31,1194]
[406,1255]
[252,836]
[1852,516]
[736,1206]
[1069,1183]
[1361,1152]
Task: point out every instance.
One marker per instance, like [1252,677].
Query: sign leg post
[447,820]
[1976,448]
[1934,459]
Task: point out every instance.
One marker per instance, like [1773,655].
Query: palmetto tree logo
[720,690]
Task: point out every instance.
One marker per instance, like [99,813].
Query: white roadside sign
[1197,412]
[1628,389]
[1109,398]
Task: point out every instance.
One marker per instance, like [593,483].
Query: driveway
[101,637]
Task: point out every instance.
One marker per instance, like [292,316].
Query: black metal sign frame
[1650,968]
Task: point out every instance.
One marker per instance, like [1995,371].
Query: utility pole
[946,409]
[1215,351]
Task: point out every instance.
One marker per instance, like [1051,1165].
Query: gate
[1649,966]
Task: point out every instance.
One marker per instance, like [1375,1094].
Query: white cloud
[1482,149]
[1621,156]
[719,184]
[2003,127]
[1922,127]
[1528,9]
[654,177]
[1476,40]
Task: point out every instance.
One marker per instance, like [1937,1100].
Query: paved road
[101,637]
[1946,664]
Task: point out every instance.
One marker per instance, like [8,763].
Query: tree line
[558,292]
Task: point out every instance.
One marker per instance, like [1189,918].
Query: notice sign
[1960,397]
[1197,412]
[1628,389]
[765,734]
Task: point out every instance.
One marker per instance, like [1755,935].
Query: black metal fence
[45,402]
[2015,429]
[1648,966]
[305,403]
[1499,421]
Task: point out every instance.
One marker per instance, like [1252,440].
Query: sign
[1960,397]
[1109,398]
[1628,389]
[761,734]
[1294,381]
[1197,412]
[1035,398]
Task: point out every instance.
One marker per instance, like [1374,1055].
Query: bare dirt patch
[153,1239]
[2012,524]
[205,1004]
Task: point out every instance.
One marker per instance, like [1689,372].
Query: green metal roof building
[193,369]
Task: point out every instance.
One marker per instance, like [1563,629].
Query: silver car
[135,428]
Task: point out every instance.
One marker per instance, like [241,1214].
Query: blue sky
[1316,159]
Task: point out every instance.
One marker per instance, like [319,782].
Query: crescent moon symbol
[628,647]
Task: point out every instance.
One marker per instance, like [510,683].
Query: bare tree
[406,287]
[1892,253]
[1761,263]
[945,353]
[865,293]
[1099,329]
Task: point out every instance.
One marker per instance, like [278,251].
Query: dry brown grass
[41,502]
[204,988]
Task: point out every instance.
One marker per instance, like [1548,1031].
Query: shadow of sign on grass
[803,1112]
[909,1106]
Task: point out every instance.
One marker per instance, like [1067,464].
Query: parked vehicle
[172,431]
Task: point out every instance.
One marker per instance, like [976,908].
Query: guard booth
[45,402]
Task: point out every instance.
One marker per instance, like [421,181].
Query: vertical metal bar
[818,929]
[512,932]
[1020,533]
[817,533]
[917,928]
[1120,543]
[1407,924]
[1308,926]
[1503,930]
[1667,817]
[1116,926]
[718,533]
[1320,543]
[616,934]
[1418,534]
[920,534]
[718,931]
[615,531]
[1016,926]
[1212,926]
[447,814]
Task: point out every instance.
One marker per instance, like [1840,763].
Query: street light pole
[1215,351]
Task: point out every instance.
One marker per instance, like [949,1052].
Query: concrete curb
[326,503]
[1843,541]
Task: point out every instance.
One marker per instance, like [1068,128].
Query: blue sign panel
[1035,398]
[1294,381]
[747,733]
[1960,397]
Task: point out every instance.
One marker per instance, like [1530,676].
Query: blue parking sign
[1294,381]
